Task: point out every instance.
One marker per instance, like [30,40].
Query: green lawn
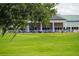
[40,44]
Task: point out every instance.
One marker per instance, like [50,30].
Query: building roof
[71,18]
[58,17]
[73,21]
[68,18]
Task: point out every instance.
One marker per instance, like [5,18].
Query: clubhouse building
[59,23]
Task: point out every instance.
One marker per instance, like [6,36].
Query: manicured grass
[40,44]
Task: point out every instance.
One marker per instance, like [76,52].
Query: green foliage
[17,15]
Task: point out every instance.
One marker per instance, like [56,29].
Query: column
[65,29]
[53,28]
[0,31]
[70,29]
[78,29]
[41,27]
[28,28]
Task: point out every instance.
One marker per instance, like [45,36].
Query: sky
[68,8]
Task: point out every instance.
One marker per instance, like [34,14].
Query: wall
[71,24]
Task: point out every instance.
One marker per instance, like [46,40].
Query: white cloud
[68,8]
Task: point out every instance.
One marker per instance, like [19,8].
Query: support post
[41,27]
[70,29]
[53,28]
[65,29]
[28,28]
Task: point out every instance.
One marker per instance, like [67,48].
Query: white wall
[71,24]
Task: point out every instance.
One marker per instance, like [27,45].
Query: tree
[42,13]
[17,15]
